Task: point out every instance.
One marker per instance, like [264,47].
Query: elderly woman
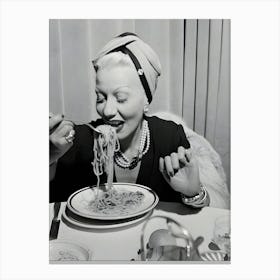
[153,152]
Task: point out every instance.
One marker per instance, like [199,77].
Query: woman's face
[120,99]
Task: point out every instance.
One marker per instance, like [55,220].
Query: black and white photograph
[160,155]
[139,140]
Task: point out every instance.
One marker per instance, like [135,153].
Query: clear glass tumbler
[222,235]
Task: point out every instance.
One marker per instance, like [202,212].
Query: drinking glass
[222,234]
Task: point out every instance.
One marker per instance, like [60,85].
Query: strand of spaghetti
[117,203]
[111,150]
[111,201]
[104,147]
[97,169]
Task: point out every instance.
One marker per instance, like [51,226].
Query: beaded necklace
[122,161]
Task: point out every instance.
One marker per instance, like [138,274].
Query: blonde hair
[113,59]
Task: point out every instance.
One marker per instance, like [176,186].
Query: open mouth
[115,123]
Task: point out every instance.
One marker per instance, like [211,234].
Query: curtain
[195,80]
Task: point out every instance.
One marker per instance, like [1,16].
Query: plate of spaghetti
[123,201]
[112,201]
[74,220]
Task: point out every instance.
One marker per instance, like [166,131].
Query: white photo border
[254,137]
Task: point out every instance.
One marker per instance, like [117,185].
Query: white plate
[98,224]
[63,250]
[79,201]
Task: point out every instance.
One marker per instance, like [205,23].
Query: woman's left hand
[181,171]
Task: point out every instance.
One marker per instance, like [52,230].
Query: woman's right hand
[61,135]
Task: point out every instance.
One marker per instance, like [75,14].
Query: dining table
[123,244]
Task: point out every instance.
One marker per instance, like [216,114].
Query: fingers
[60,129]
[54,120]
[169,165]
[63,134]
[175,162]
[188,153]
[162,168]
[182,156]
[70,137]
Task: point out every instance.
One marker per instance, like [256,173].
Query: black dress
[74,170]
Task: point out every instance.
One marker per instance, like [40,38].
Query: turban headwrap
[144,58]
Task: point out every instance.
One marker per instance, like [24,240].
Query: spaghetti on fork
[110,201]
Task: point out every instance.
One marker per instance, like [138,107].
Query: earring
[146,109]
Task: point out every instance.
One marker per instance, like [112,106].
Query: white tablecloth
[122,244]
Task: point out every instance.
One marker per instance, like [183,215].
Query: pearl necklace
[122,161]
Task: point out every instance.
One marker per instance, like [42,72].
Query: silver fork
[93,128]
[89,125]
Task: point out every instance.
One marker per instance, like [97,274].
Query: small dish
[64,250]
